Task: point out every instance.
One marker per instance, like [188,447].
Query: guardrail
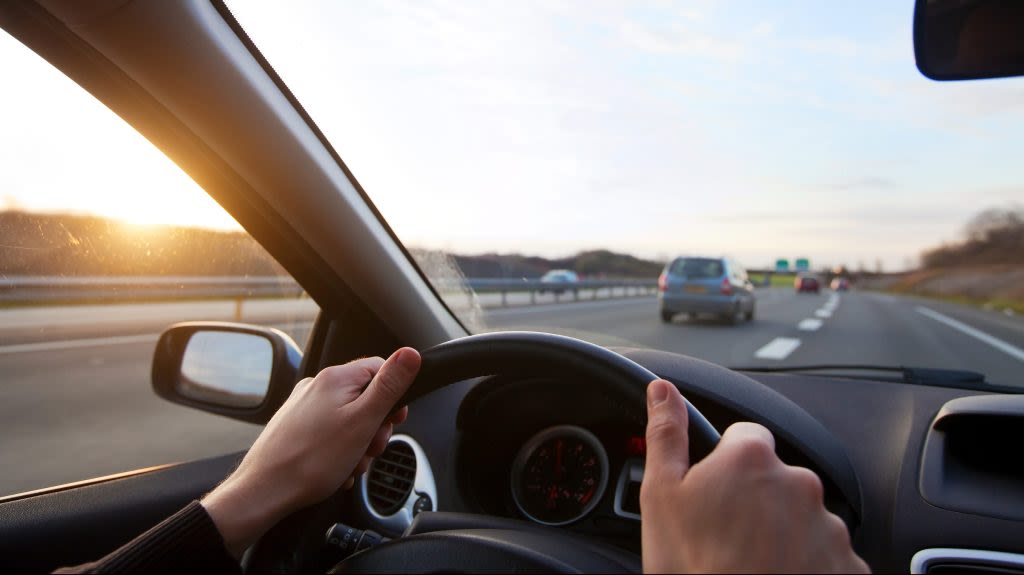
[58,289]
[583,289]
[68,289]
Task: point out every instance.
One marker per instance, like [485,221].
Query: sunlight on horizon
[77,157]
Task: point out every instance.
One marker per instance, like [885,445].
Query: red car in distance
[807,283]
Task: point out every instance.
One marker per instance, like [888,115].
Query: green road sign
[782,265]
[803,264]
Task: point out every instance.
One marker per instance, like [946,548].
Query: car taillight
[726,287]
[662,282]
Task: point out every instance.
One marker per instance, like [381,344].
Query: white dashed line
[778,348]
[809,324]
[823,313]
[995,342]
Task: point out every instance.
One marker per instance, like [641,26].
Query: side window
[103,243]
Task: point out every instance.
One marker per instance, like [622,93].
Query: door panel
[77,525]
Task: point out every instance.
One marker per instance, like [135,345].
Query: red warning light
[637,446]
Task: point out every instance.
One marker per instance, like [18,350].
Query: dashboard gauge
[559,475]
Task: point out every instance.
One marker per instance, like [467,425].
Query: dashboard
[560,455]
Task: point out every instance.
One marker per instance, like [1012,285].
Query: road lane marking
[995,342]
[77,343]
[62,344]
[778,348]
[823,313]
[809,324]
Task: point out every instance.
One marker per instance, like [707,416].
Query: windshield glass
[508,139]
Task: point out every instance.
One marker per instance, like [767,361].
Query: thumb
[668,440]
[390,383]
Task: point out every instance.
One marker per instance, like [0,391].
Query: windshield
[508,139]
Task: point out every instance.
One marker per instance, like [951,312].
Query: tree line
[994,236]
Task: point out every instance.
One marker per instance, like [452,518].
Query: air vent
[390,479]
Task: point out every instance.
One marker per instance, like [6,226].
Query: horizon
[148,229]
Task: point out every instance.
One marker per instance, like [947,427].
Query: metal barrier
[69,289]
[584,288]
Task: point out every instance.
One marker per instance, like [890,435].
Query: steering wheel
[490,547]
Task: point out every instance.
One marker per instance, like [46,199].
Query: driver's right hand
[740,509]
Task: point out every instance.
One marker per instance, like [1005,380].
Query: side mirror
[236,370]
[969,39]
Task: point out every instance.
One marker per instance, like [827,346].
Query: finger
[390,383]
[747,444]
[747,431]
[399,416]
[380,440]
[668,441]
[356,373]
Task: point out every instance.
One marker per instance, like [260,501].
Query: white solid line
[997,343]
[77,343]
[809,324]
[778,348]
[58,345]
[823,313]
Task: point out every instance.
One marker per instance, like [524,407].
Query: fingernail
[404,356]
[657,392]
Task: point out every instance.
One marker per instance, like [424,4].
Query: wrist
[243,512]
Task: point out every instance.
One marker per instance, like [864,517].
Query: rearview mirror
[969,39]
[236,370]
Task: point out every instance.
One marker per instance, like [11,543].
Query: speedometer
[559,475]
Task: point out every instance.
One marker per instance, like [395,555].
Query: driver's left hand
[323,437]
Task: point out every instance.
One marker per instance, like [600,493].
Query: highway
[76,401]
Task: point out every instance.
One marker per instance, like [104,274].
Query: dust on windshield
[505,140]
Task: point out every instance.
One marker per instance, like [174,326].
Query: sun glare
[94,163]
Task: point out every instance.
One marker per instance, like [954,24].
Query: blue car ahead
[701,285]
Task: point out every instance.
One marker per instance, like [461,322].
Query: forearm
[186,541]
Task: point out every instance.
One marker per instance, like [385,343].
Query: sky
[755,129]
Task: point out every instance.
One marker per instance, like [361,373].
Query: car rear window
[697,268]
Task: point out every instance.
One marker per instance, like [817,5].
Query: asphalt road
[75,399]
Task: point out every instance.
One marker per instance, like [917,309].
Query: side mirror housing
[236,370]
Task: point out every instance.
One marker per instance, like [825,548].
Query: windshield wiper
[914,375]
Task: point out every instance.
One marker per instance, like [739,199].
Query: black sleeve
[186,541]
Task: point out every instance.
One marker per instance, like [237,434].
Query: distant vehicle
[560,280]
[700,285]
[807,283]
[840,284]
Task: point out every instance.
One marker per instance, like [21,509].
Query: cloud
[680,40]
[828,46]
[863,183]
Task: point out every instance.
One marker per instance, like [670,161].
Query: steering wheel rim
[516,353]
[538,353]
